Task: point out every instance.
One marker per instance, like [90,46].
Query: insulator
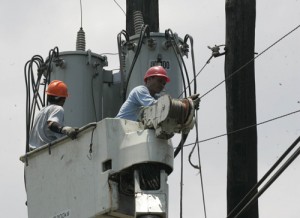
[80,41]
[138,21]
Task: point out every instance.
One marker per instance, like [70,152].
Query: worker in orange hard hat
[49,122]
[155,80]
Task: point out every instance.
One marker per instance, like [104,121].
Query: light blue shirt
[138,98]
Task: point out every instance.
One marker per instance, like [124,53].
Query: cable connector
[216,50]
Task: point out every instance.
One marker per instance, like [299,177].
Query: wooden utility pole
[139,12]
[240,102]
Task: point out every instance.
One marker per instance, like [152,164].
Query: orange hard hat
[57,88]
[156,71]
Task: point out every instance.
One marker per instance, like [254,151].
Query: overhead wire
[197,142]
[242,67]
[244,128]
[253,195]
[120,7]
[177,149]
[237,72]
[195,77]
[246,64]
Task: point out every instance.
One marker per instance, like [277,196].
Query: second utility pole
[240,103]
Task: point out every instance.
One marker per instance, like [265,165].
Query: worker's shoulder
[140,87]
[54,107]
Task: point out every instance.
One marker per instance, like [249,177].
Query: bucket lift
[115,167]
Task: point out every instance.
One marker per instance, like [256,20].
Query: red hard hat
[156,71]
[57,88]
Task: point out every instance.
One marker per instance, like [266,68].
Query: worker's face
[62,101]
[155,84]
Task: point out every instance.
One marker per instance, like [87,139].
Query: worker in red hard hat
[49,122]
[155,80]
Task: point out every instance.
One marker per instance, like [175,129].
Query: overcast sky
[34,27]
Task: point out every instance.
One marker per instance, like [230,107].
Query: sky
[34,27]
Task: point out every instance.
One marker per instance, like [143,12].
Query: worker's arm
[143,97]
[67,130]
[55,127]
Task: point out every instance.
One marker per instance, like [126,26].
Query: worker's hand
[196,100]
[70,131]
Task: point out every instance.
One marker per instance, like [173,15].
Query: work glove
[196,100]
[70,131]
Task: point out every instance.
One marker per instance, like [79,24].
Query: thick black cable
[144,30]
[170,36]
[181,183]
[180,146]
[187,77]
[32,85]
[176,47]
[193,60]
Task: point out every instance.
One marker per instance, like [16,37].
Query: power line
[120,7]
[244,128]
[207,62]
[243,66]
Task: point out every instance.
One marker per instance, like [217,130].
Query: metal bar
[88,126]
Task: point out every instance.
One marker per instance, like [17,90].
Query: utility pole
[139,12]
[240,103]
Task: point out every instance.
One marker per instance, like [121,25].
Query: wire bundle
[35,94]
